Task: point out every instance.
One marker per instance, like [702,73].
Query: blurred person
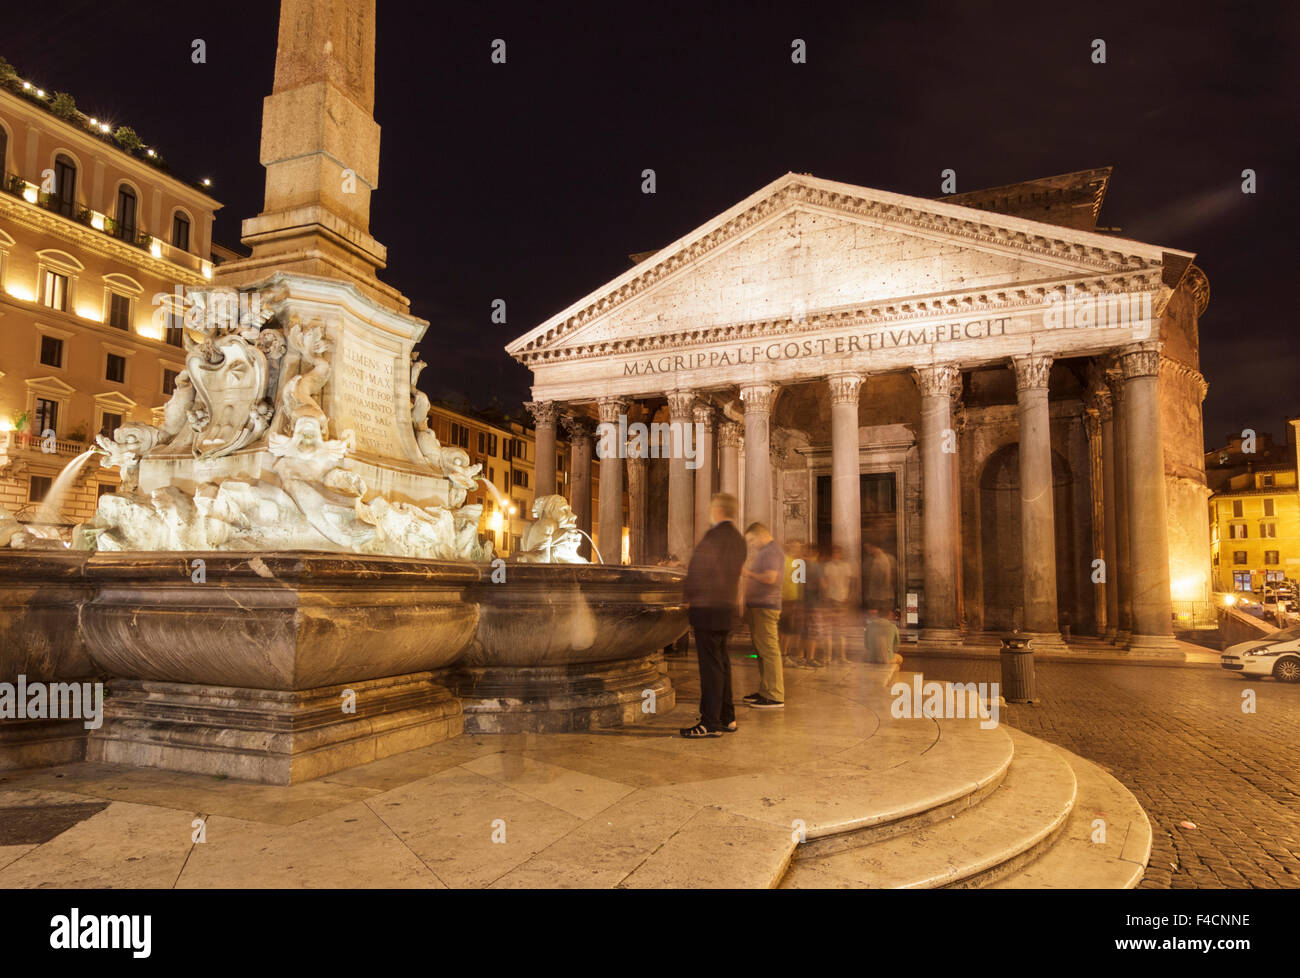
[763,585]
[682,646]
[816,611]
[792,587]
[880,636]
[712,600]
[878,567]
[837,580]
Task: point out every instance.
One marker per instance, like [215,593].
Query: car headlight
[1261,650]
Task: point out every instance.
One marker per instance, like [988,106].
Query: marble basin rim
[40,594]
[276,621]
[575,614]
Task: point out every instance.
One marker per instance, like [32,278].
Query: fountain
[290,579]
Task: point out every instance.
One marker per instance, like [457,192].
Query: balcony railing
[18,187]
[27,441]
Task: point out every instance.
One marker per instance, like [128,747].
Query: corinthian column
[681,497]
[846,491]
[610,529]
[544,414]
[1037,518]
[579,432]
[939,546]
[729,458]
[1110,514]
[1123,536]
[704,419]
[758,399]
[636,509]
[1153,628]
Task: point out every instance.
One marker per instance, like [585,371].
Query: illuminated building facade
[990,404]
[95,242]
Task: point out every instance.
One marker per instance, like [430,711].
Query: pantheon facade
[985,394]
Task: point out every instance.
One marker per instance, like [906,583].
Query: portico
[933,387]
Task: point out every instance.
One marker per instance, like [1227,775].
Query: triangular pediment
[804,247]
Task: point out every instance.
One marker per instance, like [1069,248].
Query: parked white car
[1277,655]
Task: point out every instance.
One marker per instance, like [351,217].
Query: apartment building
[97,241]
[1254,512]
[507,450]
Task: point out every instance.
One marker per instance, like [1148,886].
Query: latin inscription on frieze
[365,399]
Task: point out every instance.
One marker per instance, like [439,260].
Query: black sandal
[698,731]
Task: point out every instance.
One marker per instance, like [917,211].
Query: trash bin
[1017,670]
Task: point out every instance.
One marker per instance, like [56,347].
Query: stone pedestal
[563,698]
[271,736]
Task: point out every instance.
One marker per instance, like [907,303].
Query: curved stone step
[1076,861]
[846,793]
[1003,832]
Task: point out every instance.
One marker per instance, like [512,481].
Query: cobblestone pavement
[1178,738]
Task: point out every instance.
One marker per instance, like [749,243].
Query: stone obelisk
[313,258]
[320,147]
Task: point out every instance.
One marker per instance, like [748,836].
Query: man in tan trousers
[762,577]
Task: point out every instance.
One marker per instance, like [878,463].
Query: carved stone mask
[229,389]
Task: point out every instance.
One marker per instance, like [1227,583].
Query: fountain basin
[563,647]
[40,594]
[280,668]
[290,621]
[564,614]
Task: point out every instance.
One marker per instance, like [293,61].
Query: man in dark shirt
[713,600]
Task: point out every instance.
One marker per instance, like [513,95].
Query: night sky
[522,181]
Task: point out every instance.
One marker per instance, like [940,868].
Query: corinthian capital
[704,416]
[1032,372]
[680,405]
[729,434]
[611,409]
[844,388]
[1101,397]
[938,380]
[543,412]
[758,398]
[1140,360]
[576,426]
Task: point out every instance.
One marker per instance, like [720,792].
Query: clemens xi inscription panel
[365,397]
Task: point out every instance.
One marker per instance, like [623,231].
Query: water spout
[51,508]
[594,550]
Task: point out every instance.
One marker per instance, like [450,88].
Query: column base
[1121,638]
[562,699]
[1109,635]
[939,639]
[1154,645]
[270,736]
[1045,641]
